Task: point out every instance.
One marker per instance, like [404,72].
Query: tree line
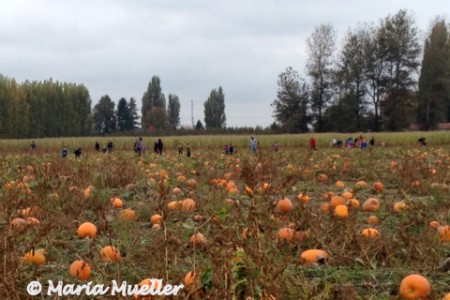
[372,83]
[53,109]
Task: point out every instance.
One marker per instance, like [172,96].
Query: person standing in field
[188,150]
[97,146]
[276,147]
[252,144]
[138,146]
[160,146]
[312,143]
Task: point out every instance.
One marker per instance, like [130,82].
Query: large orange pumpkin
[80,269]
[415,287]
[87,229]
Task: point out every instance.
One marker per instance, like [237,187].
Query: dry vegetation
[229,235]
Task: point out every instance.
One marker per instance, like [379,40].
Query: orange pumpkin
[32,221]
[371,205]
[361,184]
[353,203]
[341,211]
[285,234]
[444,233]
[109,253]
[35,256]
[336,200]
[116,202]
[173,205]
[399,206]
[197,239]
[19,224]
[414,286]
[378,186]
[176,191]
[191,183]
[322,178]
[156,219]
[190,279]
[339,184]
[313,256]
[80,269]
[187,204]
[369,233]
[284,205]
[325,207]
[87,229]
[347,195]
[127,215]
[372,220]
[302,198]
[434,224]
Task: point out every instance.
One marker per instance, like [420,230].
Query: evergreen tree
[215,109]
[132,108]
[104,116]
[291,105]
[173,110]
[123,115]
[434,81]
[199,125]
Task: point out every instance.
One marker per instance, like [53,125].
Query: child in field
[64,152]
[77,152]
[312,143]
[276,147]
[252,144]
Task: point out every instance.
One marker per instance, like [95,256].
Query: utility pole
[192,113]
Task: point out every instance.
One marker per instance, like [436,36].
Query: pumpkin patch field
[294,224]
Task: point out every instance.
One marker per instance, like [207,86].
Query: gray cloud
[115,47]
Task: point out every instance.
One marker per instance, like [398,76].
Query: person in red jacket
[312,143]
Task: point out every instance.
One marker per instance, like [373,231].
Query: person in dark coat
[160,146]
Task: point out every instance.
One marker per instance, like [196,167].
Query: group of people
[358,142]
[107,148]
[228,149]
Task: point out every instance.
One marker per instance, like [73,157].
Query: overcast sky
[114,47]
